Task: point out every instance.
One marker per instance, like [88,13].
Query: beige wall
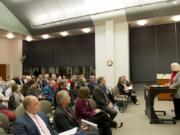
[10,54]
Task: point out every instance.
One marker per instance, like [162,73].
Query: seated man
[33,122]
[47,90]
[64,118]
[101,97]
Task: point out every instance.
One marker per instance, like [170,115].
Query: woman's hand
[84,127]
[171,87]
[97,110]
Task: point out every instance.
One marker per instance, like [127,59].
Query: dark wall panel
[42,54]
[27,54]
[143,54]
[166,47]
[63,52]
[153,49]
[68,51]
[178,41]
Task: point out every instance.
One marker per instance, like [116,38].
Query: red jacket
[83,109]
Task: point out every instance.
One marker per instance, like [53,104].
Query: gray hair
[61,96]
[175,67]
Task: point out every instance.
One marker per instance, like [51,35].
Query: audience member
[47,90]
[8,91]
[16,98]
[33,122]
[40,81]
[81,82]
[53,77]
[34,90]
[84,110]
[92,83]
[61,86]
[101,97]
[10,114]
[45,81]
[28,82]
[64,118]
[125,88]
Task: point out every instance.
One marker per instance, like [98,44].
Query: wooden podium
[164,96]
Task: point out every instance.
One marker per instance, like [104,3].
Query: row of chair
[121,99]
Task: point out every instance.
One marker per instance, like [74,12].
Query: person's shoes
[120,125]
[176,118]
[137,103]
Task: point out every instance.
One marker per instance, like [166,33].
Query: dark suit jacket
[34,92]
[121,88]
[100,97]
[63,121]
[26,126]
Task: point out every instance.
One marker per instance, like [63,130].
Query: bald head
[31,104]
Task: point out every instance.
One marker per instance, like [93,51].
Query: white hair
[175,67]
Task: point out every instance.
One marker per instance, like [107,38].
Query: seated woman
[64,118]
[126,89]
[16,98]
[84,111]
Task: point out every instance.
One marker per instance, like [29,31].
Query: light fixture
[64,33]
[174,2]
[142,22]
[10,35]
[29,38]
[86,30]
[176,18]
[45,36]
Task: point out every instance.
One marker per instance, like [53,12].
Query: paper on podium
[69,132]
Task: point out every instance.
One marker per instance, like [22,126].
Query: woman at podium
[175,83]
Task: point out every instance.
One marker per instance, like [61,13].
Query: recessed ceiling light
[142,22]
[64,33]
[174,2]
[10,35]
[176,18]
[86,30]
[29,38]
[45,36]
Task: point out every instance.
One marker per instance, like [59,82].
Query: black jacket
[63,121]
[100,97]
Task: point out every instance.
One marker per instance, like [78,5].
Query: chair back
[45,106]
[2,132]
[5,121]
[115,91]
[19,111]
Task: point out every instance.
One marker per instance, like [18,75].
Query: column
[112,43]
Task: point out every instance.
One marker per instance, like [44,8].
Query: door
[3,71]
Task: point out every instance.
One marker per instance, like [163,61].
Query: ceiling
[50,16]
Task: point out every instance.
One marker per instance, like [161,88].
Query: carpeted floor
[137,123]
